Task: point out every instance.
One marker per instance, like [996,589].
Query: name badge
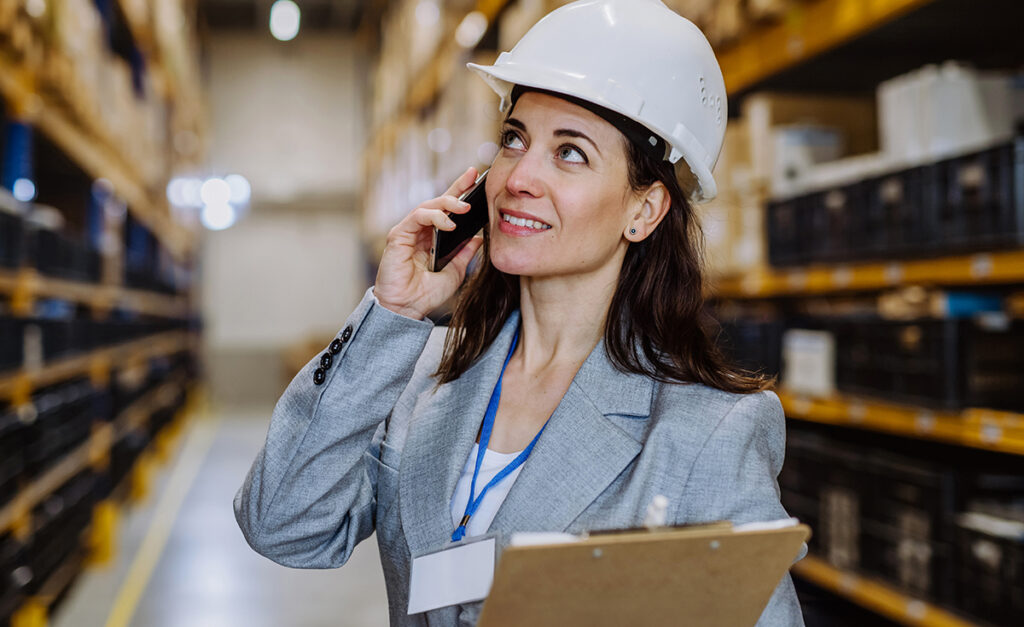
[457,574]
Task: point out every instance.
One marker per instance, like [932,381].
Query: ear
[653,205]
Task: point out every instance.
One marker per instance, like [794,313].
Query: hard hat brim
[502,78]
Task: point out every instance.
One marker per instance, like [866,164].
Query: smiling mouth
[530,224]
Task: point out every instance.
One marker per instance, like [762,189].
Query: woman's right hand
[405,283]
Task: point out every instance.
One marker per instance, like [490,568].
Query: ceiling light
[284,20]
[471,29]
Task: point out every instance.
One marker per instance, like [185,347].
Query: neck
[563,318]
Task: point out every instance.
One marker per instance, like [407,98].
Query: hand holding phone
[405,281]
[447,244]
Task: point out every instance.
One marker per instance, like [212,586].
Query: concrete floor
[189,565]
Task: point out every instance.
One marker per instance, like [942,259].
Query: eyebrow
[562,132]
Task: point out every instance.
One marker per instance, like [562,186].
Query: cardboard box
[853,117]
[943,111]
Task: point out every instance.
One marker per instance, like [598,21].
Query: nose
[524,179]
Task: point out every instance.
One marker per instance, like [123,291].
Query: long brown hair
[656,324]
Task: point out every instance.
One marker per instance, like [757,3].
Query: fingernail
[450,222]
[463,204]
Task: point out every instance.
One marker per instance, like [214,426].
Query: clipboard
[707,575]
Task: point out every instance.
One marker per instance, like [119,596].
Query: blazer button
[336,346]
[319,376]
[346,334]
[326,360]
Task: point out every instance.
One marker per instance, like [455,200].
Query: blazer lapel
[440,439]
[580,452]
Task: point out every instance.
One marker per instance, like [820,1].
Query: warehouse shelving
[93,451]
[849,47]
[94,152]
[18,386]
[98,540]
[807,30]
[876,596]
[423,89]
[1000,267]
[34,612]
[26,286]
[977,428]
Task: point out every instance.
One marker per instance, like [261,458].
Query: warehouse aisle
[205,574]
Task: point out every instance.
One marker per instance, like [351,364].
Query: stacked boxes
[903,514]
[39,434]
[958,205]
[941,363]
[945,363]
[732,223]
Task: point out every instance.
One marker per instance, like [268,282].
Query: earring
[632,231]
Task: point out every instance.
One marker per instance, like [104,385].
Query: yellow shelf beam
[876,596]
[18,385]
[28,285]
[807,30]
[976,428]
[984,268]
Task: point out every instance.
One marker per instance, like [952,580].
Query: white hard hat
[635,57]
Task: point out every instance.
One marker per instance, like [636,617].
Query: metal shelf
[425,87]
[17,386]
[807,30]
[95,154]
[14,515]
[876,596]
[26,286]
[1005,267]
[976,428]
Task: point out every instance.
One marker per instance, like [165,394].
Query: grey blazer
[378,446]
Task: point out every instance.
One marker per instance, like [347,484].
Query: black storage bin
[786,232]
[899,222]
[12,239]
[920,567]
[991,575]
[909,525]
[942,363]
[977,208]
[753,344]
[12,453]
[65,414]
[58,523]
[965,204]
[842,499]
[124,454]
[11,343]
[14,576]
[839,223]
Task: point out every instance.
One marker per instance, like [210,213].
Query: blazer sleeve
[735,477]
[310,495]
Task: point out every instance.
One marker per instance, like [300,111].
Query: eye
[572,154]
[511,139]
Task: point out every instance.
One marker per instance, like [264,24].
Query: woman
[576,357]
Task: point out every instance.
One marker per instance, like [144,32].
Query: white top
[493,463]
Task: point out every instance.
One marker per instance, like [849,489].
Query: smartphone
[447,244]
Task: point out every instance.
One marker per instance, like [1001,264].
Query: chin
[514,264]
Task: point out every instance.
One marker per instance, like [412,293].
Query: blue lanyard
[485,436]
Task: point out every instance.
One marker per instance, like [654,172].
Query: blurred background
[194,195]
